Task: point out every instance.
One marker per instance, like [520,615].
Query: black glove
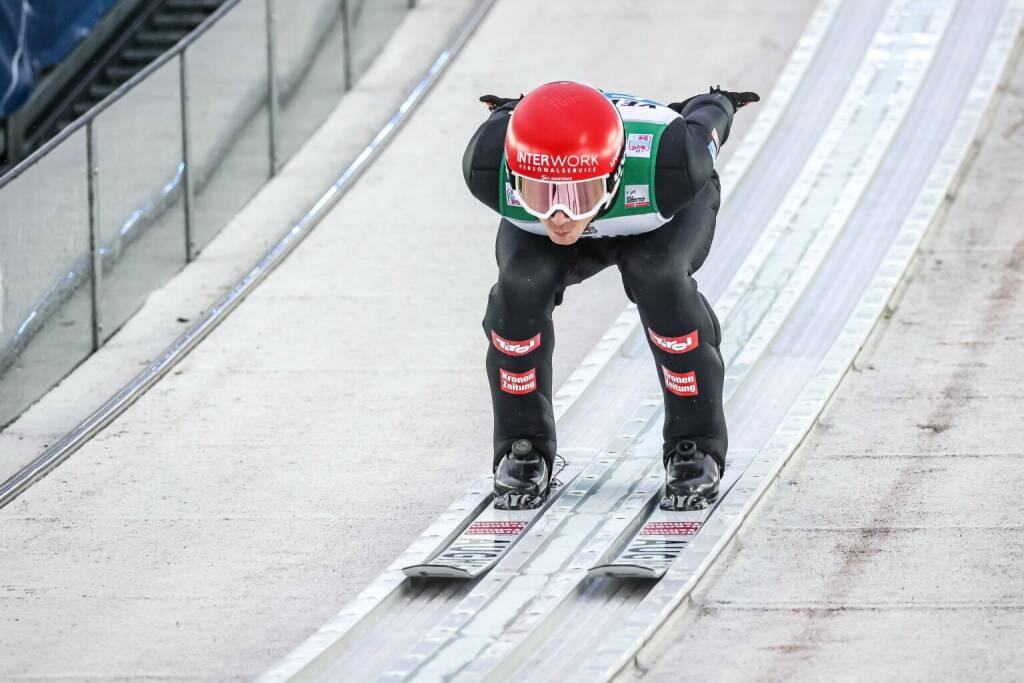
[738,99]
[494,102]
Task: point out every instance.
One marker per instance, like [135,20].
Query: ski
[490,535]
[664,535]
[654,546]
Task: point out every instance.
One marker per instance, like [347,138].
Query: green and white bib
[635,209]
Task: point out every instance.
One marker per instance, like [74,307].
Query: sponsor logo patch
[639,144]
[515,348]
[474,553]
[519,382]
[670,528]
[680,383]
[590,230]
[496,528]
[559,166]
[636,196]
[510,196]
[653,552]
[714,145]
[684,344]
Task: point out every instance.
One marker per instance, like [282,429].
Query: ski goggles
[579,199]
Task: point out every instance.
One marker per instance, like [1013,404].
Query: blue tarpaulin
[35,34]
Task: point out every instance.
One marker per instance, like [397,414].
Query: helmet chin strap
[611,195]
[618,177]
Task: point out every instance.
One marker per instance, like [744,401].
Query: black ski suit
[656,268]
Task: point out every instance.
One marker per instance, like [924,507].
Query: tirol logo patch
[684,344]
[639,144]
[495,528]
[519,382]
[636,196]
[515,348]
[510,196]
[680,383]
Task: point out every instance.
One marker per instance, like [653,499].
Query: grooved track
[812,257]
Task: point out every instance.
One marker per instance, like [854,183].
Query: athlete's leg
[532,275]
[681,329]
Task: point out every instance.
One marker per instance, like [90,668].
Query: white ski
[490,535]
[654,546]
[664,535]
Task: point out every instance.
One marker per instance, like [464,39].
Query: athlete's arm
[481,163]
[689,145]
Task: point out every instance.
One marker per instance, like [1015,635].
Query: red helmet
[564,150]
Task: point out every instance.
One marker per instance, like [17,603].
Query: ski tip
[436,571]
[623,571]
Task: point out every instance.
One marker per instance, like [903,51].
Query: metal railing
[117,203]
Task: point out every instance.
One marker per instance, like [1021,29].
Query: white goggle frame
[601,203]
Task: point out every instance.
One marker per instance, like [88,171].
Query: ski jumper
[658,231]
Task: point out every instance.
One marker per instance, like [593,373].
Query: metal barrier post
[186,157]
[346,34]
[272,87]
[96,288]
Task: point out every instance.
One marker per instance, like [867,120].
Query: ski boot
[522,479]
[691,478]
